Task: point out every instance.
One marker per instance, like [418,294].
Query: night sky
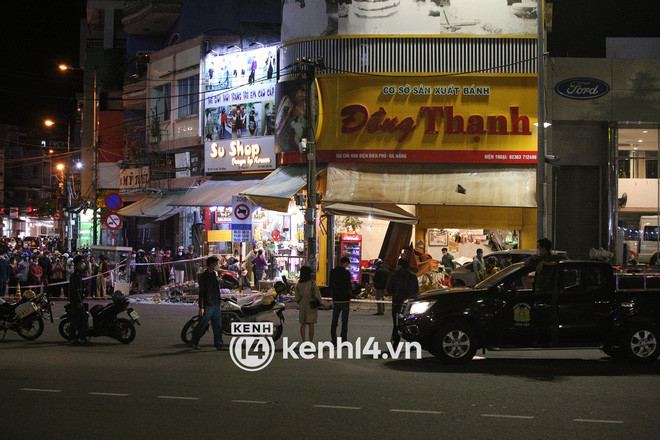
[37,35]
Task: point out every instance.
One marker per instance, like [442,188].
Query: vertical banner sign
[241,219]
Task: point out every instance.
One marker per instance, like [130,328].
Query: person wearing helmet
[29,294]
[77,316]
[380,284]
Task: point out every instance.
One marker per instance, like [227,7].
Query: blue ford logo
[582,88]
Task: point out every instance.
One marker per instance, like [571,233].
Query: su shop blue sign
[582,88]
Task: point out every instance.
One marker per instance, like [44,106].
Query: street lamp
[65,67]
[60,167]
[95,177]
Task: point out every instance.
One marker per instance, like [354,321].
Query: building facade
[425,107]
[603,184]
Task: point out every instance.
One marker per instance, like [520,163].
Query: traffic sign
[113,221]
[113,201]
[242,210]
[57,216]
[241,219]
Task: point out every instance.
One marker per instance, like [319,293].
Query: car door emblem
[521,315]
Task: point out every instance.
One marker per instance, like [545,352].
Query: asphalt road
[158,388]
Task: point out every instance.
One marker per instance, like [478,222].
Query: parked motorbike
[228,278]
[234,311]
[105,321]
[25,317]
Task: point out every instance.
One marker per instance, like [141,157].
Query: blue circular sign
[113,201]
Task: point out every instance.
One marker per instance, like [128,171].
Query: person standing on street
[77,316]
[5,271]
[403,285]
[306,289]
[209,306]
[380,285]
[167,268]
[192,265]
[260,265]
[141,270]
[478,265]
[340,287]
[13,277]
[23,271]
[448,261]
[179,266]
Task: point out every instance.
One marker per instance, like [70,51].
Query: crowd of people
[47,269]
[41,270]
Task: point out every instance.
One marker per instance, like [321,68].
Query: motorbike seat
[257,308]
[99,308]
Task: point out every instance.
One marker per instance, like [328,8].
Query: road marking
[337,407]
[260,402]
[415,411]
[41,390]
[94,393]
[598,421]
[507,416]
[178,397]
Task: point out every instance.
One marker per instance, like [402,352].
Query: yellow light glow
[63,67]
[60,166]
[49,122]
[50,151]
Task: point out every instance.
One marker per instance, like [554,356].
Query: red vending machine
[351,247]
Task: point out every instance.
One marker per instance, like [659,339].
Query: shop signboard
[241,219]
[248,154]
[132,178]
[474,118]
[240,93]
[311,18]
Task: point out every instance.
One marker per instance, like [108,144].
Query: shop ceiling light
[545,124]
[640,140]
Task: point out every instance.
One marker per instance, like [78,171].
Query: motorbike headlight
[420,307]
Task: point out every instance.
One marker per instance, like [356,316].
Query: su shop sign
[469,119]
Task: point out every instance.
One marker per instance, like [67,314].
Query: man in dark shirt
[340,287]
[209,306]
[380,284]
[448,261]
[545,264]
[402,286]
[77,316]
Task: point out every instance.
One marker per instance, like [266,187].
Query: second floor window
[160,103]
[188,96]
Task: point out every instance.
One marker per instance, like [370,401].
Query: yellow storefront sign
[440,118]
[217,235]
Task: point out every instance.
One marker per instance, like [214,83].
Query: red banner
[416,156]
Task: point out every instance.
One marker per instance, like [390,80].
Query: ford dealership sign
[582,88]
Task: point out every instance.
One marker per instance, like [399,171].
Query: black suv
[581,304]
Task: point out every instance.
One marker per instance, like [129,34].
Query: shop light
[634,148]
[79,165]
[645,131]
[545,124]
[640,140]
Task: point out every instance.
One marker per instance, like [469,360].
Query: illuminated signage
[240,93]
[357,118]
[472,118]
[250,154]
